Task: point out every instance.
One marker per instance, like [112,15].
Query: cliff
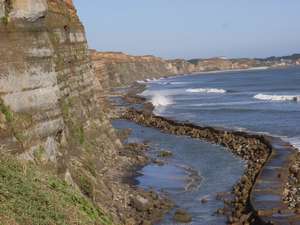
[116,68]
[52,122]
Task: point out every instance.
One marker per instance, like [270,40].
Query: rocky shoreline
[258,150]
[145,207]
[242,189]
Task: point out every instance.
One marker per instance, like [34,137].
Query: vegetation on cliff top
[29,196]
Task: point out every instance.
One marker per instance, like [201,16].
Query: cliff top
[121,57]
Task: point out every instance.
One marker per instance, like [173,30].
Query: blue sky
[193,28]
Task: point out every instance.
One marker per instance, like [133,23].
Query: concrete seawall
[267,192]
[260,192]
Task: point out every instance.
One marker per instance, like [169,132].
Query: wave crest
[161,100]
[295,141]
[294,98]
[206,90]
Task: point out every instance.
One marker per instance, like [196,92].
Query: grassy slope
[31,197]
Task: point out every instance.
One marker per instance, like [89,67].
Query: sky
[193,28]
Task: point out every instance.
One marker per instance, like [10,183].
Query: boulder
[165,154]
[146,222]
[140,203]
[130,221]
[182,216]
[294,169]
[158,162]
[204,200]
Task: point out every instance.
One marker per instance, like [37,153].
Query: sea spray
[161,100]
[295,141]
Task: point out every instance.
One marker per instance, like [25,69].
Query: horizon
[190,30]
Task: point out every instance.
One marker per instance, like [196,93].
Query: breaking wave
[178,83]
[206,90]
[161,100]
[295,141]
[265,97]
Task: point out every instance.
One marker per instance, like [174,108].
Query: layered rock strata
[50,111]
[116,69]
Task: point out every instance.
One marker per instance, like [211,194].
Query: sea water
[196,171]
[265,101]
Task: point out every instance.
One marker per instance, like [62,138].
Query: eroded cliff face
[49,95]
[215,64]
[115,69]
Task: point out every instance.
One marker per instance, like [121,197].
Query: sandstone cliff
[116,68]
[50,114]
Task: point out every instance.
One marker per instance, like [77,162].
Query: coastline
[234,70]
[260,151]
[206,72]
[145,206]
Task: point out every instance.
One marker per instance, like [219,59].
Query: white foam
[265,97]
[153,80]
[295,141]
[222,104]
[165,92]
[206,90]
[178,83]
[161,100]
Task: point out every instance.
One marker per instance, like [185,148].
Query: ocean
[197,170]
[266,101]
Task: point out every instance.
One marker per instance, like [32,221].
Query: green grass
[38,153]
[7,113]
[80,135]
[17,123]
[76,128]
[31,197]
[4,20]
[66,108]
[85,185]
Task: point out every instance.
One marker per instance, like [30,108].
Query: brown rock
[297,208]
[220,211]
[146,222]
[165,154]
[294,169]
[2,121]
[130,221]
[140,203]
[298,176]
[158,162]
[182,216]
[204,200]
